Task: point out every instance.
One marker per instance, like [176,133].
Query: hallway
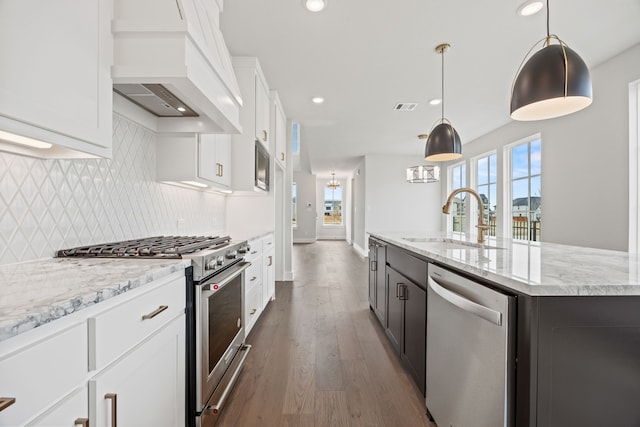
[320,356]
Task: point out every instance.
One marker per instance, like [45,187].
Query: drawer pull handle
[5,402]
[254,252]
[253,278]
[114,408]
[155,312]
[84,422]
[253,311]
[264,135]
[281,156]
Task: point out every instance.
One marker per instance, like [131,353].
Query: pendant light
[554,82]
[444,142]
[333,183]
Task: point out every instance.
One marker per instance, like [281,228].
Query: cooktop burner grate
[149,247]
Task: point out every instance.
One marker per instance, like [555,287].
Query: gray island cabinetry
[575,358]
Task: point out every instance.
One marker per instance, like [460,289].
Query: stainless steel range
[215,330]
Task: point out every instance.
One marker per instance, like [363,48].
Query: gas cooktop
[149,247]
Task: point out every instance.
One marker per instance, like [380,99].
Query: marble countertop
[39,291]
[536,268]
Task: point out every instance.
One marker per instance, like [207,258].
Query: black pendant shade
[443,144]
[539,89]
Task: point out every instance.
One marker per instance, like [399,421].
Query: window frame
[324,187]
[450,188]
[473,183]
[507,181]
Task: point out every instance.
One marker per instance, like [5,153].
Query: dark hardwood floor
[319,356]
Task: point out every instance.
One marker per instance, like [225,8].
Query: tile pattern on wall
[46,205]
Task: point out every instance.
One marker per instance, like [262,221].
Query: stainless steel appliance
[262,167]
[214,329]
[469,352]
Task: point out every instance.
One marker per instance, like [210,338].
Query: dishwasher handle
[465,304]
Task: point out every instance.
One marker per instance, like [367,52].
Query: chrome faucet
[482,226]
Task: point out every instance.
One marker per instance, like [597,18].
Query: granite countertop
[40,291]
[536,268]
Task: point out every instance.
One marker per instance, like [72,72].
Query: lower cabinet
[377,278]
[259,279]
[406,323]
[121,361]
[146,386]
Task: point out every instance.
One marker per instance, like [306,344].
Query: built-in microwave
[262,167]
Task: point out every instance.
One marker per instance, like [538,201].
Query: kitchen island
[573,353]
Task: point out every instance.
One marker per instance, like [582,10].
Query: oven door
[219,329]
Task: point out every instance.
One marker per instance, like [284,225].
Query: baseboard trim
[298,240]
[360,251]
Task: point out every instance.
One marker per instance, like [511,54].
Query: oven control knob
[244,249]
[211,265]
[219,260]
[232,254]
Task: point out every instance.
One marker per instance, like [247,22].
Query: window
[526,191]
[295,138]
[487,179]
[458,179]
[332,206]
[294,206]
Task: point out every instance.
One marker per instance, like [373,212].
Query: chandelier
[333,182]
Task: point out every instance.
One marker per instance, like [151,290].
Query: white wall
[47,205]
[305,231]
[359,218]
[248,216]
[584,161]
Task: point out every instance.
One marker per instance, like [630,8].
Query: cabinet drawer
[268,243]
[253,275]
[410,266]
[255,251]
[252,307]
[113,332]
[39,373]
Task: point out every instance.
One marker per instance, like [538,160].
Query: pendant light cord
[548,41]
[442,107]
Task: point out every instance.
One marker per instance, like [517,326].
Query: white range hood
[169,56]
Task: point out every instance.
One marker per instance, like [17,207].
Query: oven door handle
[228,277]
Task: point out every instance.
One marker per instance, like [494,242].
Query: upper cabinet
[254,118]
[171,59]
[198,161]
[262,111]
[55,78]
[279,130]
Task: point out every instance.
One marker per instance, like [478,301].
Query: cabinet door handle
[221,169]
[5,402]
[253,311]
[155,312]
[374,265]
[84,422]
[113,397]
[253,278]
[264,135]
[404,294]
[398,290]
[282,156]
[270,260]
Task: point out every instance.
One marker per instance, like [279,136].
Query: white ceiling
[365,56]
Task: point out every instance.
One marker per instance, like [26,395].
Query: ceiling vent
[405,106]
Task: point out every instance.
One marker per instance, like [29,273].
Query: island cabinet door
[414,342]
[372,274]
[588,362]
[395,306]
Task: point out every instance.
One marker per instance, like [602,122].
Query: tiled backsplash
[46,205]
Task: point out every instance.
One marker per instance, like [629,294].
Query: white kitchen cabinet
[55,78]
[254,119]
[71,410]
[279,130]
[262,111]
[146,387]
[199,161]
[38,372]
[268,269]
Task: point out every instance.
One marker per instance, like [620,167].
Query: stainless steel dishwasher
[469,352]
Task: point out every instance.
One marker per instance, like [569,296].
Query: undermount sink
[442,243]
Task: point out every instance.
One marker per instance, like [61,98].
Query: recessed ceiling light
[435,101]
[315,5]
[530,8]
[317,100]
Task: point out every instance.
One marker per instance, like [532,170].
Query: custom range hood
[170,58]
